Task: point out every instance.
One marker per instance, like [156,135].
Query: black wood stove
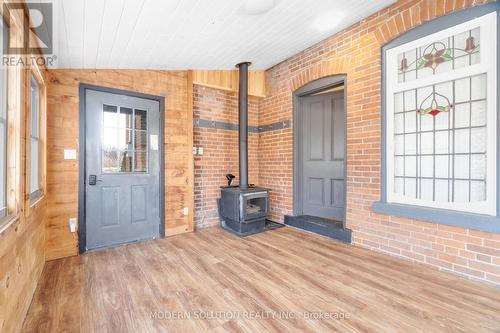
[243,209]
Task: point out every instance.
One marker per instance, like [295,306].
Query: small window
[124,140]
[3,123]
[441,119]
[34,139]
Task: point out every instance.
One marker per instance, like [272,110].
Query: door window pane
[124,140]
[110,116]
[126,115]
[109,161]
[141,161]
[140,140]
[125,161]
[141,119]
[110,138]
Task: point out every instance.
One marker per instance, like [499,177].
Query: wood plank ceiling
[195,34]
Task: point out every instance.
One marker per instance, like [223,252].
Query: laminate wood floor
[283,280]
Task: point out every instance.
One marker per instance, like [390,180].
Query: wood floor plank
[281,280]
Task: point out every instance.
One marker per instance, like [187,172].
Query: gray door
[122,169]
[322,157]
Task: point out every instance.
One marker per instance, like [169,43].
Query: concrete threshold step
[319,225]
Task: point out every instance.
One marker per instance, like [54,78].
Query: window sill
[479,222]
[6,222]
[36,197]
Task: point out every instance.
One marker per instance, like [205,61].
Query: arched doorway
[319,133]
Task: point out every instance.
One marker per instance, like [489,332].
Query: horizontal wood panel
[228,80]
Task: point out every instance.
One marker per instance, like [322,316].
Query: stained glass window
[440,141]
[441,123]
[454,52]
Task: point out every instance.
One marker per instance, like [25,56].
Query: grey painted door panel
[322,132]
[123,206]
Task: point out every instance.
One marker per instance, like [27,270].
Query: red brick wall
[276,170]
[220,146]
[356,52]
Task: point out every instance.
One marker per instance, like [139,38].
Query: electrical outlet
[72,225]
[186,211]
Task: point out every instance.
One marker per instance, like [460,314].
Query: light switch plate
[153,142]
[186,211]
[194,150]
[70,154]
[200,150]
[72,224]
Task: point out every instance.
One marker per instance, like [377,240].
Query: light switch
[153,142]
[194,150]
[70,154]
[200,150]
[72,224]
[186,211]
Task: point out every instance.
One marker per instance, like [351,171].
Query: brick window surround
[465,218]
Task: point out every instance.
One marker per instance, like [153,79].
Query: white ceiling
[195,34]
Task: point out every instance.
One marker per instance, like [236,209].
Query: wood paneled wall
[21,262]
[22,240]
[228,80]
[63,131]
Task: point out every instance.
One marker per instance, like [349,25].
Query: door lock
[93,180]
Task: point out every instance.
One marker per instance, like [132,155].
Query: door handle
[93,180]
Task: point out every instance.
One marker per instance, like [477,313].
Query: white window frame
[488,65]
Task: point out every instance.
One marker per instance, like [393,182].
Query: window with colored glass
[441,119]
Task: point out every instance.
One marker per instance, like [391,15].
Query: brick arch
[408,17]
[320,70]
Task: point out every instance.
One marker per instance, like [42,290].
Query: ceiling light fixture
[328,21]
[258,7]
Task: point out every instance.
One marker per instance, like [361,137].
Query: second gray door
[322,136]
[122,169]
